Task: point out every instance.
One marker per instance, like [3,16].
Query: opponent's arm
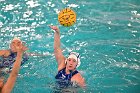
[7,88]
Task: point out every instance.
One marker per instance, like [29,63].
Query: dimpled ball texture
[67,17]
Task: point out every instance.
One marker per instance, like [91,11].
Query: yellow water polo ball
[67,17]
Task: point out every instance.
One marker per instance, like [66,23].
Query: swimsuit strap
[74,73]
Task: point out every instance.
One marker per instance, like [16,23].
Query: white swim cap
[15,38]
[75,56]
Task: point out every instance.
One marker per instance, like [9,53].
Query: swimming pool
[106,35]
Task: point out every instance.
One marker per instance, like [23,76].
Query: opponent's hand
[21,48]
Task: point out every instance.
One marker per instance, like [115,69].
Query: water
[106,35]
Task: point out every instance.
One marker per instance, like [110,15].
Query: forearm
[57,49]
[56,40]
[13,75]
[17,64]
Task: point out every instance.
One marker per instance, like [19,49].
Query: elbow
[82,83]
[83,86]
[14,74]
[56,49]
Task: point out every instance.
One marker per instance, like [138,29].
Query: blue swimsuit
[63,79]
[7,62]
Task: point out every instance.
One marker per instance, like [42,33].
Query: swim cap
[75,56]
[15,38]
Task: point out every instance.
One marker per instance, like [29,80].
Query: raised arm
[8,86]
[57,49]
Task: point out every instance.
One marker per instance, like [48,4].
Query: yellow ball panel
[67,17]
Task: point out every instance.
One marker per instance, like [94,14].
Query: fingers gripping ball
[67,17]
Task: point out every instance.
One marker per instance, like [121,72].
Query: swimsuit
[7,62]
[63,79]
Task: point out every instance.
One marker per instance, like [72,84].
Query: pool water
[106,34]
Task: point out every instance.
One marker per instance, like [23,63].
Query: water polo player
[67,74]
[8,57]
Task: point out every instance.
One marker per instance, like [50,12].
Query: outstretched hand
[21,48]
[55,28]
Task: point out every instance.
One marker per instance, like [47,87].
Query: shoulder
[77,76]
[4,52]
[79,79]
